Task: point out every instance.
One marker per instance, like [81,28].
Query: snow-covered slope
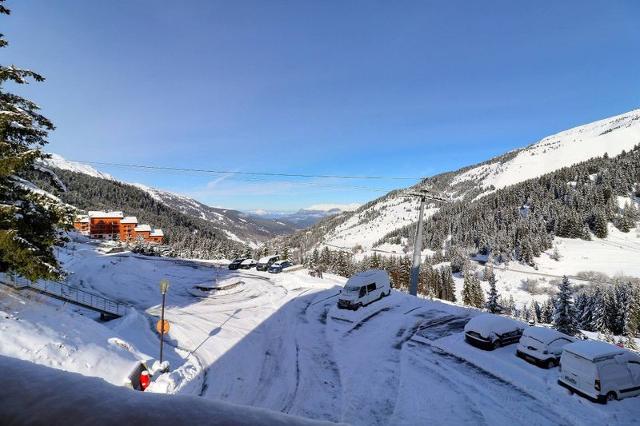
[610,136]
[374,220]
[58,162]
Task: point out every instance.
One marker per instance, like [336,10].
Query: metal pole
[417,252]
[164,295]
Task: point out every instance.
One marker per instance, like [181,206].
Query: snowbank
[27,397]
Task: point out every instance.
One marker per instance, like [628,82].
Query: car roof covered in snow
[593,349]
[280,262]
[485,324]
[544,334]
[266,258]
[368,277]
[247,261]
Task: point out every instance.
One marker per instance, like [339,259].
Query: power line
[229,172]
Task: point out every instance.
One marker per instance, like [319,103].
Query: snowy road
[279,342]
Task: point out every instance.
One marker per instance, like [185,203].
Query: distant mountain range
[304,218]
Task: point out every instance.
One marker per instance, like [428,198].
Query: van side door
[362,295]
[634,369]
[371,292]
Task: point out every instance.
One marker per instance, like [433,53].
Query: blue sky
[407,88]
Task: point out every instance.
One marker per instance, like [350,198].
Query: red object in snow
[144,380]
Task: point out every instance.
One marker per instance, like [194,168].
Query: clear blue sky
[406,88]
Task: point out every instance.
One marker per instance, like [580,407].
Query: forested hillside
[187,236]
[520,221]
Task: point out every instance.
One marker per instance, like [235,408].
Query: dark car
[277,267]
[265,263]
[489,331]
[235,264]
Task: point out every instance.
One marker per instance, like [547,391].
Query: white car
[489,331]
[265,262]
[248,264]
[542,346]
[599,371]
[364,288]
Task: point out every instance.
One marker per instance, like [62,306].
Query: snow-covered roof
[129,219]
[486,324]
[142,228]
[266,258]
[368,277]
[593,349]
[157,233]
[82,219]
[248,262]
[544,334]
[107,215]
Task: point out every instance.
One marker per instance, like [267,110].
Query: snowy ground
[278,342]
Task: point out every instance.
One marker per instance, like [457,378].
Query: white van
[364,288]
[599,371]
[542,346]
[265,262]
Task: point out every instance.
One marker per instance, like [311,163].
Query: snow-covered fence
[73,295]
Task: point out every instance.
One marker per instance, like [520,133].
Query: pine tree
[285,253]
[374,261]
[631,317]
[492,302]
[28,220]
[546,314]
[315,258]
[467,290]
[599,224]
[478,294]
[599,320]
[564,315]
[448,285]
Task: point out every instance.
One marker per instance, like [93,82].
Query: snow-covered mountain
[236,225]
[368,224]
[239,226]
[59,162]
[306,217]
[611,136]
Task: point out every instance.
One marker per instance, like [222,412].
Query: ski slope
[611,136]
[279,342]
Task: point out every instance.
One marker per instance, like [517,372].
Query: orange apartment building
[115,226]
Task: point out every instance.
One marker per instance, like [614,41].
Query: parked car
[265,262]
[279,266]
[235,263]
[248,264]
[542,346]
[364,288]
[489,331]
[599,371]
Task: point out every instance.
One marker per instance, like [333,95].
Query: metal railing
[73,295]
